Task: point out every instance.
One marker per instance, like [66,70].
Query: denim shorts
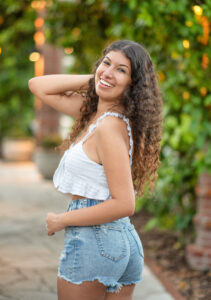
[111,253]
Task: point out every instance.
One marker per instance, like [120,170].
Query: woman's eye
[121,70]
[106,62]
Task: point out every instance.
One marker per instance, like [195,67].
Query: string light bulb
[186,44]
[39,22]
[34,56]
[198,11]
[39,38]
[68,50]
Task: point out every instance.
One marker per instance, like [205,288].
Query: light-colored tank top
[77,174]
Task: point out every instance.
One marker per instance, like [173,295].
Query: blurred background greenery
[176,34]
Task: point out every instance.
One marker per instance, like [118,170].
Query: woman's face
[113,76]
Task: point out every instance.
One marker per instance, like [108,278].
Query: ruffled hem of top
[84,189]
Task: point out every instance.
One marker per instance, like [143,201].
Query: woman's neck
[105,107]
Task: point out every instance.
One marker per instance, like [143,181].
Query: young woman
[113,151]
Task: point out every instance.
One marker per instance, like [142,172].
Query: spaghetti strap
[118,115]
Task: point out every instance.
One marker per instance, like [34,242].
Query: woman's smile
[105,84]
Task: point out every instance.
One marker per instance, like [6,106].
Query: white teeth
[105,83]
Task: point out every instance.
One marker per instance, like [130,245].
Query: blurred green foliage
[16,42]
[172,33]
[51,141]
[164,27]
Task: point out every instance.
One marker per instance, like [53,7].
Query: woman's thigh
[88,290]
[91,290]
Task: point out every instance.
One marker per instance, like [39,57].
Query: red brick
[203,221]
[192,249]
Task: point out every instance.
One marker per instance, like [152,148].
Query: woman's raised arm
[56,91]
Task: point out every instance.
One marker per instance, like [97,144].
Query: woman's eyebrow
[108,57]
[124,66]
[119,64]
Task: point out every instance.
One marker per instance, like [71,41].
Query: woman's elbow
[31,85]
[131,211]
[130,208]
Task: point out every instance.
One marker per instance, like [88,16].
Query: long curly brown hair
[142,105]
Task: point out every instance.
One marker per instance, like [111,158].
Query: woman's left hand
[54,223]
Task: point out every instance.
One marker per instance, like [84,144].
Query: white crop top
[77,174]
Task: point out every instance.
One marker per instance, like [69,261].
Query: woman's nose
[108,72]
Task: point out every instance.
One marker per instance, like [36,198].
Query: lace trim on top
[126,120]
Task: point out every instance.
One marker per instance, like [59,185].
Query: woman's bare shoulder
[112,128]
[112,141]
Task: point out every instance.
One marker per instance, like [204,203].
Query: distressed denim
[111,253]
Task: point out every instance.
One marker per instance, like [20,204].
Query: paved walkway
[28,257]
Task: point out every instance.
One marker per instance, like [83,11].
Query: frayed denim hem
[112,290]
[113,287]
[132,282]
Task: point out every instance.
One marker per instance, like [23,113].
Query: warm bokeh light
[161,76]
[197,10]
[206,30]
[39,71]
[68,50]
[203,91]
[40,4]
[205,61]
[39,66]
[188,23]
[186,95]
[0,50]
[186,44]
[34,56]
[39,38]
[39,22]
[1,20]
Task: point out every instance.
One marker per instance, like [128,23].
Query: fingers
[51,233]
[53,223]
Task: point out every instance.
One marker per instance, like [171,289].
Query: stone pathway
[28,257]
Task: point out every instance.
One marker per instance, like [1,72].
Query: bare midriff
[74,197]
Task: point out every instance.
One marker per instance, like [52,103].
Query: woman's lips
[105,84]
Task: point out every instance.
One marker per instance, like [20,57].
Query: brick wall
[47,119]
[199,254]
